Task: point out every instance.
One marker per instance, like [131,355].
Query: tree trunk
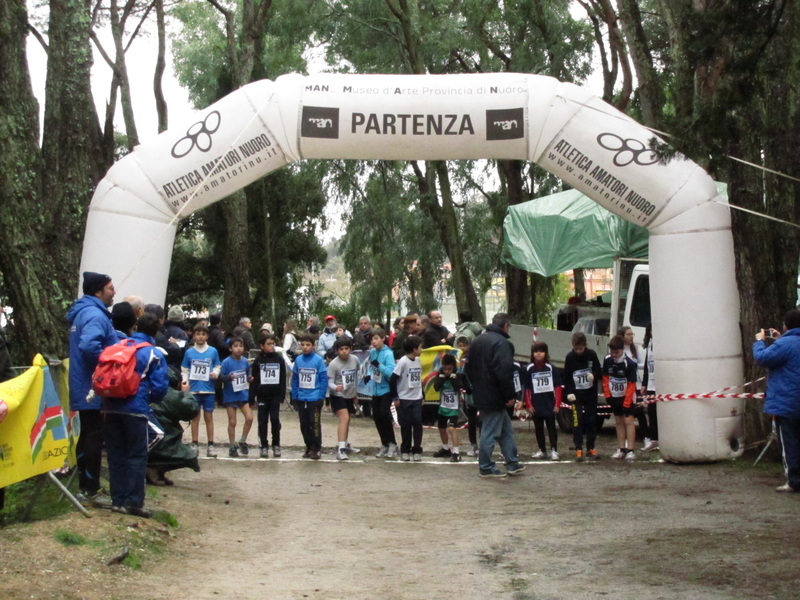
[516,278]
[121,70]
[161,102]
[44,195]
[580,284]
[236,299]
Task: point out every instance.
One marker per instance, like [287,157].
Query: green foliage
[49,504]
[133,560]
[166,518]
[69,538]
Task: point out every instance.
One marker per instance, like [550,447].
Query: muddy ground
[370,528]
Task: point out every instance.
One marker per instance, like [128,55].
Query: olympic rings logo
[627,150]
[198,135]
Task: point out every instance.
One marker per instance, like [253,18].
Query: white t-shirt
[409,382]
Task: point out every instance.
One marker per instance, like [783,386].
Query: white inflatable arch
[565,129]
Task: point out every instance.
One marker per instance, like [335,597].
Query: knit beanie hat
[94,282]
[123,316]
[175,314]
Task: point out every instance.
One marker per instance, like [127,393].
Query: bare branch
[39,37]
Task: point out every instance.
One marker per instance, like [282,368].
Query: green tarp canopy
[568,230]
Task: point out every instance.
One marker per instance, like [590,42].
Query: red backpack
[115,375]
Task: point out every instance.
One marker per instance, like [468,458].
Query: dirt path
[377,529]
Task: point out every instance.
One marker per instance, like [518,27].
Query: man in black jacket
[436,334]
[490,369]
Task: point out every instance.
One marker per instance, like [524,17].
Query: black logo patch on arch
[320,122]
[505,124]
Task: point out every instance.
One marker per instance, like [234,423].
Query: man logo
[320,122]
[505,124]
[627,150]
[198,135]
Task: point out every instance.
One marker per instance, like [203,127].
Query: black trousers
[310,426]
[584,422]
[472,423]
[539,423]
[410,416]
[90,450]
[652,415]
[382,415]
[269,412]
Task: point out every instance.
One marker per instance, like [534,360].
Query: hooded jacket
[152,368]
[90,331]
[782,358]
[490,369]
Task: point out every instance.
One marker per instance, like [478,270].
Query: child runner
[235,375]
[269,380]
[406,385]
[640,410]
[343,388]
[382,366]
[309,387]
[469,408]
[543,400]
[649,388]
[449,385]
[199,368]
[582,371]
[619,386]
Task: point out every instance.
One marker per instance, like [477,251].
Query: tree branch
[39,37]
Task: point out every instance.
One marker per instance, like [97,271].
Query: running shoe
[540,454]
[650,445]
[554,455]
[243,448]
[517,471]
[276,451]
[593,454]
[233,452]
[264,452]
[93,499]
[579,455]
[211,451]
[786,488]
[405,457]
[315,455]
[350,450]
[455,458]
[383,452]
[493,474]
[195,446]
[620,453]
[630,455]
[342,455]
[417,457]
[392,452]
[443,453]
[473,450]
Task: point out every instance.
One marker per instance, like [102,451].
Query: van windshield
[640,302]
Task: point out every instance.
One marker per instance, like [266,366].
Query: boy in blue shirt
[235,375]
[309,386]
[199,368]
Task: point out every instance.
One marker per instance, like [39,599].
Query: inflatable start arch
[568,131]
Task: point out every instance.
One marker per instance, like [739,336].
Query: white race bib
[200,370]
[348,378]
[517,382]
[239,381]
[581,379]
[542,382]
[617,385]
[308,379]
[377,376]
[651,375]
[270,374]
[449,399]
[415,378]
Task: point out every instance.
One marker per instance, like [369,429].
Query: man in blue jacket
[127,419]
[90,331]
[782,358]
[490,370]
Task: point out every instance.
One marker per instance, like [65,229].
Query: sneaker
[341,454]
[383,452]
[473,450]
[455,458]
[540,454]
[233,452]
[94,500]
[405,457]
[593,454]
[196,447]
[443,453]
[786,488]
[554,455]
[315,455]
[135,511]
[645,443]
[350,450]
[211,452]
[276,451]
[243,448]
[517,471]
[650,445]
[630,455]
[307,453]
[493,474]
[579,455]
[264,452]
[417,457]
[392,451]
[618,454]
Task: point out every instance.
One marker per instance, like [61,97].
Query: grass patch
[69,538]
[133,561]
[152,492]
[49,504]
[166,518]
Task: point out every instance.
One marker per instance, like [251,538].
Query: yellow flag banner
[35,428]
[431,360]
